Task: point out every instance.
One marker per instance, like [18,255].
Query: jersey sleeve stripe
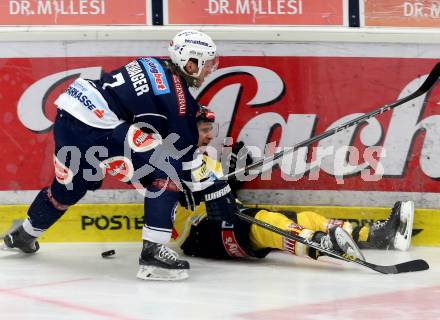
[150,114]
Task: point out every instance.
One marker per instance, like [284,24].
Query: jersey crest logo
[157,76]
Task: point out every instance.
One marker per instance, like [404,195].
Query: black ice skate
[396,231]
[22,240]
[158,262]
[338,240]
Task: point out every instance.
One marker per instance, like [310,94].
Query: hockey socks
[261,238]
[43,213]
[336,239]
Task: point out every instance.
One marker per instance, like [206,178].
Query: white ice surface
[73,281]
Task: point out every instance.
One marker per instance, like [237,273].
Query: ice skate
[338,240]
[158,262]
[402,240]
[396,231]
[21,240]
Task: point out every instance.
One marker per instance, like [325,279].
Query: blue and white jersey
[143,91]
[83,101]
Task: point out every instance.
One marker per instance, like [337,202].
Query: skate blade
[5,251]
[161,274]
[402,240]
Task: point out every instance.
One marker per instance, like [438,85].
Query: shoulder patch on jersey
[157,76]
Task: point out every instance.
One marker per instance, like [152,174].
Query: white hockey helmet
[194,44]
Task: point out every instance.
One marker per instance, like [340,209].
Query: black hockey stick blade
[429,82]
[409,266]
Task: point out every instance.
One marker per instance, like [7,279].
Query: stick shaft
[409,266]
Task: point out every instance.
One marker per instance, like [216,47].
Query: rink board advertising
[73,12]
[399,13]
[260,12]
[124,222]
[268,106]
[388,13]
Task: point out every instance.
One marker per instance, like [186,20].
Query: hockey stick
[409,266]
[432,78]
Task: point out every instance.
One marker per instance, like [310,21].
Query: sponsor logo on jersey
[202,172]
[157,76]
[140,141]
[81,97]
[119,167]
[180,95]
[231,244]
[289,245]
[295,228]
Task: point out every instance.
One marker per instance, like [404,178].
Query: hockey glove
[238,154]
[220,202]
[237,160]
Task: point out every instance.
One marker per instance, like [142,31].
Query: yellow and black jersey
[184,219]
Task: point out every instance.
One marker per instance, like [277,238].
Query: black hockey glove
[189,199]
[237,160]
[220,202]
[238,153]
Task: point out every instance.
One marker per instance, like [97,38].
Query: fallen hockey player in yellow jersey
[197,235]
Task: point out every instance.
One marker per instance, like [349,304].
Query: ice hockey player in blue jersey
[138,124]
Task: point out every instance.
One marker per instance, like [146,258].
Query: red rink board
[326,88]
